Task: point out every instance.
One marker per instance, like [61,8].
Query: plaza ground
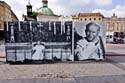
[110,71]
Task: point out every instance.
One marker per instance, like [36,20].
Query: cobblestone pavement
[110,71]
[62,72]
[58,70]
[90,79]
[115,49]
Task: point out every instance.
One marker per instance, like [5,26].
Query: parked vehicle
[109,37]
[118,37]
[115,37]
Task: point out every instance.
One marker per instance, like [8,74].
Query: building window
[94,18]
[81,19]
[117,26]
[89,18]
[85,19]
[0,26]
[2,18]
[99,18]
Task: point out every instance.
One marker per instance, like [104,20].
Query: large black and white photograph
[54,41]
[89,41]
[37,41]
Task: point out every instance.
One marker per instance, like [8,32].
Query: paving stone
[28,81]
[42,80]
[56,80]
[14,81]
[4,81]
[69,80]
[101,79]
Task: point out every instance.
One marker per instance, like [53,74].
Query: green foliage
[34,13]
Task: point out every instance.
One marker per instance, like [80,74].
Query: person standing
[38,51]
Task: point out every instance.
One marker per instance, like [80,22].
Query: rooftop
[90,14]
[45,10]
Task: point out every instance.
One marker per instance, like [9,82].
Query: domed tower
[44,9]
[29,9]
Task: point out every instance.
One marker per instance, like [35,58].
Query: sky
[71,7]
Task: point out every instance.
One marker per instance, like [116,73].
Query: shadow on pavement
[101,79]
[116,58]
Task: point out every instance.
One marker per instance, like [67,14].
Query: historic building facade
[6,14]
[115,24]
[115,29]
[44,13]
[85,17]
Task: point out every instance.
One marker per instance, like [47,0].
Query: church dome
[45,10]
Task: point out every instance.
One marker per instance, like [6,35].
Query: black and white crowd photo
[38,41]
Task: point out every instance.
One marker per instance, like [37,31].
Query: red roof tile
[90,14]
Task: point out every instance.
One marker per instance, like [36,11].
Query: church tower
[45,3]
[29,9]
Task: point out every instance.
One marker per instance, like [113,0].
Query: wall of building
[65,18]
[2,10]
[85,17]
[5,15]
[47,18]
[115,24]
[91,18]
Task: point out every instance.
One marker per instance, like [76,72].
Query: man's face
[92,32]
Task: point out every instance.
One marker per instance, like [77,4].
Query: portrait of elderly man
[91,46]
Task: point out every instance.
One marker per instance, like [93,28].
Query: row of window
[89,19]
[115,28]
[6,18]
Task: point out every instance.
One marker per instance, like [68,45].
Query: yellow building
[6,14]
[13,16]
[85,17]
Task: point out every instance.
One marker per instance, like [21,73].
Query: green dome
[45,10]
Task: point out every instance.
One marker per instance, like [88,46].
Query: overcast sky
[70,7]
